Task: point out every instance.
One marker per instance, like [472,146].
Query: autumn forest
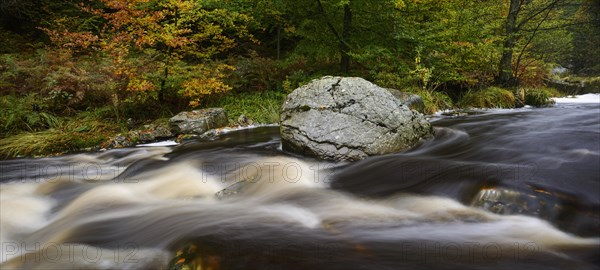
[74,73]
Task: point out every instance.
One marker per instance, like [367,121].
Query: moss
[492,97]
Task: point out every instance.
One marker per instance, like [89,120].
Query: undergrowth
[260,107]
[492,97]
[83,131]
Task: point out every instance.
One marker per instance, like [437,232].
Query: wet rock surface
[561,209]
[198,121]
[149,133]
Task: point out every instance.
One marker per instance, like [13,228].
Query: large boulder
[342,118]
[198,121]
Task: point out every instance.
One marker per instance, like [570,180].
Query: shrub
[533,74]
[255,73]
[492,97]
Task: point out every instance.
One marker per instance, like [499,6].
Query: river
[502,189]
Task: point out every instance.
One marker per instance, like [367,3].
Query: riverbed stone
[120,141]
[198,121]
[154,132]
[348,118]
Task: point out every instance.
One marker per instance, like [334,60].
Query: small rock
[209,135]
[231,190]
[120,141]
[461,113]
[146,136]
[182,137]
[244,121]
[198,121]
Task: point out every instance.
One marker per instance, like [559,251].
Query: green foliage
[260,107]
[492,97]
[297,79]
[455,41]
[586,37]
[256,73]
[61,81]
[537,97]
[21,73]
[24,114]
[47,142]
[394,80]
[434,101]
[11,42]
[85,130]
[143,59]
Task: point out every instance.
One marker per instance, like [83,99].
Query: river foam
[586,98]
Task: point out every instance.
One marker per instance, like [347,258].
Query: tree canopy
[159,49]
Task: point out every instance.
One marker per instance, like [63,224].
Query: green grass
[492,97]
[84,130]
[47,142]
[260,107]
[433,100]
[538,97]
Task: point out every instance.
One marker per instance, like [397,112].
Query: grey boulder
[347,118]
[198,121]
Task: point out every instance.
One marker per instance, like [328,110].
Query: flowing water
[497,190]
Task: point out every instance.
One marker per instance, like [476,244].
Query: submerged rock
[198,121]
[192,257]
[342,118]
[507,201]
[154,132]
[461,112]
[150,133]
[563,210]
[231,190]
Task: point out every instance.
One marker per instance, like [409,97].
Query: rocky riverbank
[204,123]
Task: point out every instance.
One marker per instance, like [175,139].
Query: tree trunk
[278,42]
[163,82]
[343,37]
[344,48]
[505,75]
